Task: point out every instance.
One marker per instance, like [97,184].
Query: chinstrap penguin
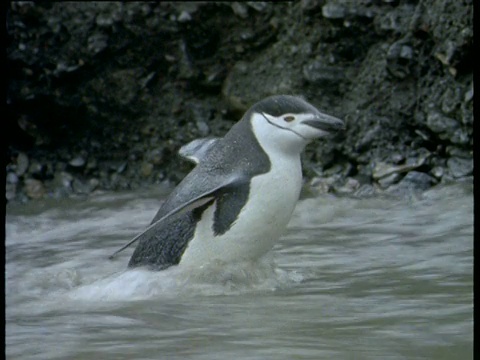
[239,198]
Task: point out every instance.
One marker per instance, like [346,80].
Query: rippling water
[351,279]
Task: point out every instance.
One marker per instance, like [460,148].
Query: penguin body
[238,199]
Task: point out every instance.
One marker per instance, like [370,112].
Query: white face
[287,132]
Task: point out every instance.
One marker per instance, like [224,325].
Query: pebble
[12,178]
[184,17]
[334,11]
[10,191]
[34,188]
[22,164]
[77,162]
[437,172]
[146,169]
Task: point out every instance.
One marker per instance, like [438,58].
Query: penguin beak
[325,122]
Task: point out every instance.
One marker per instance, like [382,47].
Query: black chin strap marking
[278,126]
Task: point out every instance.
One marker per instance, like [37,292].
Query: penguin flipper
[187,206]
[195,150]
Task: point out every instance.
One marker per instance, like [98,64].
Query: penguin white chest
[262,220]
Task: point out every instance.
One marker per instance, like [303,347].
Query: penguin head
[290,122]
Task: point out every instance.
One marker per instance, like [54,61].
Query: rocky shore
[101,95]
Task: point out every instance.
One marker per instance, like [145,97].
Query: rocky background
[101,95]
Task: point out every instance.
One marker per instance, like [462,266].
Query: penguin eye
[289,118]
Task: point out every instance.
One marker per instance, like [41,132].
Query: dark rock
[239,9]
[412,182]
[184,17]
[396,20]
[155,156]
[146,169]
[389,180]
[22,164]
[438,172]
[399,59]
[96,43]
[317,72]
[10,191]
[12,178]
[350,186]
[469,94]
[84,187]
[366,190]
[38,170]
[34,189]
[383,169]
[63,180]
[460,167]
[332,10]
[440,123]
[77,162]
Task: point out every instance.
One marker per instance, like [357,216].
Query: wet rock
[460,167]
[366,190]
[34,189]
[199,115]
[119,182]
[12,178]
[350,186]
[468,94]
[97,43]
[239,9]
[184,17]
[22,164]
[334,11]
[383,169]
[38,170]
[440,123]
[91,165]
[77,162]
[63,180]
[368,137]
[412,182]
[146,169]
[322,185]
[454,151]
[437,172]
[317,72]
[399,59]
[389,180]
[84,187]
[259,6]
[309,4]
[10,191]
[155,156]
[460,137]
[451,99]
[396,20]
